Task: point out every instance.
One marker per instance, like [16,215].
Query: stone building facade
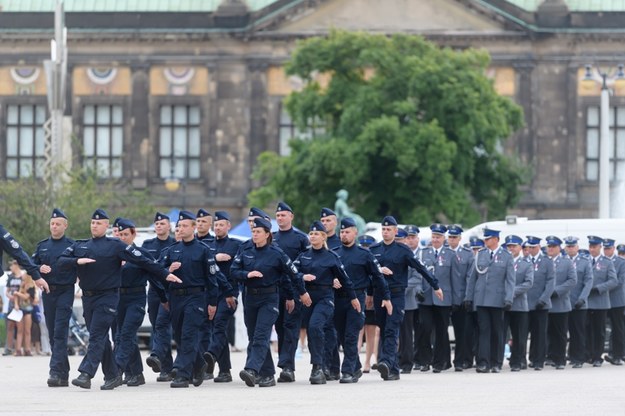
[196,94]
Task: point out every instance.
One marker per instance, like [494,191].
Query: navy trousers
[130,314]
[219,343]
[99,312]
[389,330]
[188,316]
[57,307]
[260,313]
[287,327]
[348,323]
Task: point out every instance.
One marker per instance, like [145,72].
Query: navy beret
[124,223]
[620,248]
[222,215]
[203,213]
[57,213]
[99,214]
[283,206]
[257,212]
[347,222]
[326,212]
[317,226]
[412,229]
[260,222]
[116,221]
[438,229]
[160,216]
[389,220]
[513,239]
[186,215]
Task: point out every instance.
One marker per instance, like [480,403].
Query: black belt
[99,292]
[361,290]
[396,289]
[261,290]
[186,291]
[54,288]
[136,289]
[318,287]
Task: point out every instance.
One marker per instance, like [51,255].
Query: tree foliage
[411,130]
[27,204]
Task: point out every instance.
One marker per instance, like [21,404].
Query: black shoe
[56,381]
[111,383]
[317,376]
[436,370]
[208,376]
[82,381]
[165,376]
[249,376]
[559,366]
[495,369]
[425,368]
[481,369]
[406,370]
[374,366]
[126,378]
[596,363]
[267,381]
[383,370]
[458,369]
[515,368]
[286,376]
[550,362]
[531,364]
[179,382]
[392,377]
[523,366]
[348,379]
[137,380]
[466,366]
[210,361]
[417,367]
[357,375]
[198,375]
[578,365]
[612,360]
[154,363]
[331,375]
[538,367]
[225,377]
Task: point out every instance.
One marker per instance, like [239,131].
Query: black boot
[82,381]
[316,375]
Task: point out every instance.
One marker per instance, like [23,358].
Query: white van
[581,228]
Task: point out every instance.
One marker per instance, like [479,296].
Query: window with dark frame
[616,143]
[179,141]
[25,140]
[103,139]
[288,130]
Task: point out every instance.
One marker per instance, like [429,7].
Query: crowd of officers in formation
[323,282]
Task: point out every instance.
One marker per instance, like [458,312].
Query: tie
[594,261]
[533,259]
[491,254]
[435,254]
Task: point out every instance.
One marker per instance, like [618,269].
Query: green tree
[411,129]
[27,204]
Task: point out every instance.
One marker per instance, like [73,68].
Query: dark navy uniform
[325,266]
[100,282]
[397,257]
[219,342]
[9,245]
[334,242]
[364,271]
[58,303]
[159,316]
[188,303]
[261,300]
[292,242]
[130,314]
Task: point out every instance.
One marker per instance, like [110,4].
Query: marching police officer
[617,307]
[160,359]
[329,220]
[604,280]
[464,258]
[204,223]
[395,259]
[565,281]
[409,328]
[491,290]
[292,242]
[263,267]
[98,262]
[57,304]
[224,249]
[131,308]
[517,316]
[364,271]
[579,301]
[434,313]
[539,300]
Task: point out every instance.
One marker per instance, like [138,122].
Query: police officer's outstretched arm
[12,247]
[135,256]
[415,263]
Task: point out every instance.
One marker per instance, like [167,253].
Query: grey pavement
[588,391]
